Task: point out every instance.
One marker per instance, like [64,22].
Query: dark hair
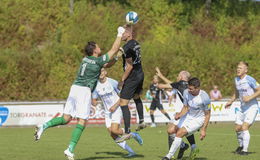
[243,62]
[194,82]
[89,48]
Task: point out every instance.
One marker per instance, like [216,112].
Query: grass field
[96,144]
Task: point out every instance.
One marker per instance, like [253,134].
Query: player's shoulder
[130,44]
[111,80]
[204,93]
[185,92]
[250,78]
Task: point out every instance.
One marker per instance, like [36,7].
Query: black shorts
[132,85]
[156,104]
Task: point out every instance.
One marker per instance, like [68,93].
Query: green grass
[96,144]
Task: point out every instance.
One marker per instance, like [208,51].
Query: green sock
[54,122]
[75,137]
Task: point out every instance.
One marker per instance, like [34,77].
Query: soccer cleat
[165,158]
[140,126]
[130,154]
[243,153]
[137,137]
[193,153]
[153,125]
[123,138]
[181,151]
[238,150]
[38,132]
[68,154]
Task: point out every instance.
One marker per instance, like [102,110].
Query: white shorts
[248,116]
[114,117]
[191,124]
[79,102]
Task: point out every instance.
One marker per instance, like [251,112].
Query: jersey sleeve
[103,59]
[114,83]
[185,97]
[175,85]
[206,101]
[95,94]
[253,83]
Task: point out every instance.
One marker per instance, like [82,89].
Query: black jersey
[180,86]
[132,50]
[156,91]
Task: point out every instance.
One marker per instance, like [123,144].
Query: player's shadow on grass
[187,158]
[196,158]
[117,154]
[238,154]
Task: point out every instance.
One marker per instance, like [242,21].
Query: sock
[193,146]
[54,122]
[140,109]
[182,145]
[127,118]
[191,139]
[240,138]
[171,139]
[246,139]
[175,145]
[125,146]
[152,118]
[167,115]
[75,137]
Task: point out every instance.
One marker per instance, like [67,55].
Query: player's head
[183,75]
[155,79]
[103,74]
[128,34]
[215,87]
[242,68]
[92,48]
[194,86]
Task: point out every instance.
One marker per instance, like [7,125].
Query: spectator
[215,94]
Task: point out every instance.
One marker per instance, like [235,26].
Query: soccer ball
[131,17]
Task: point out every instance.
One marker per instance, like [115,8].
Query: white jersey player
[247,89]
[194,115]
[107,90]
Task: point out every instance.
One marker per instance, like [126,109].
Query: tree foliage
[41,42]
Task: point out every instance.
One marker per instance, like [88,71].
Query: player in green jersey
[79,100]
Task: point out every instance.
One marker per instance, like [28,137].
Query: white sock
[240,138]
[124,146]
[175,145]
[246,139]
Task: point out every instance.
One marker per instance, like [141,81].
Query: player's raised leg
[52,123]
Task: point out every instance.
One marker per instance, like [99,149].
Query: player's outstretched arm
[115,59]
[159,74]
[184,110]
[164,86]
[255,95]
[233,98]
[205,124]
[117,42]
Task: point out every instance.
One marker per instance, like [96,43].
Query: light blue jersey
[108,92]
[246,87]
[197,104]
